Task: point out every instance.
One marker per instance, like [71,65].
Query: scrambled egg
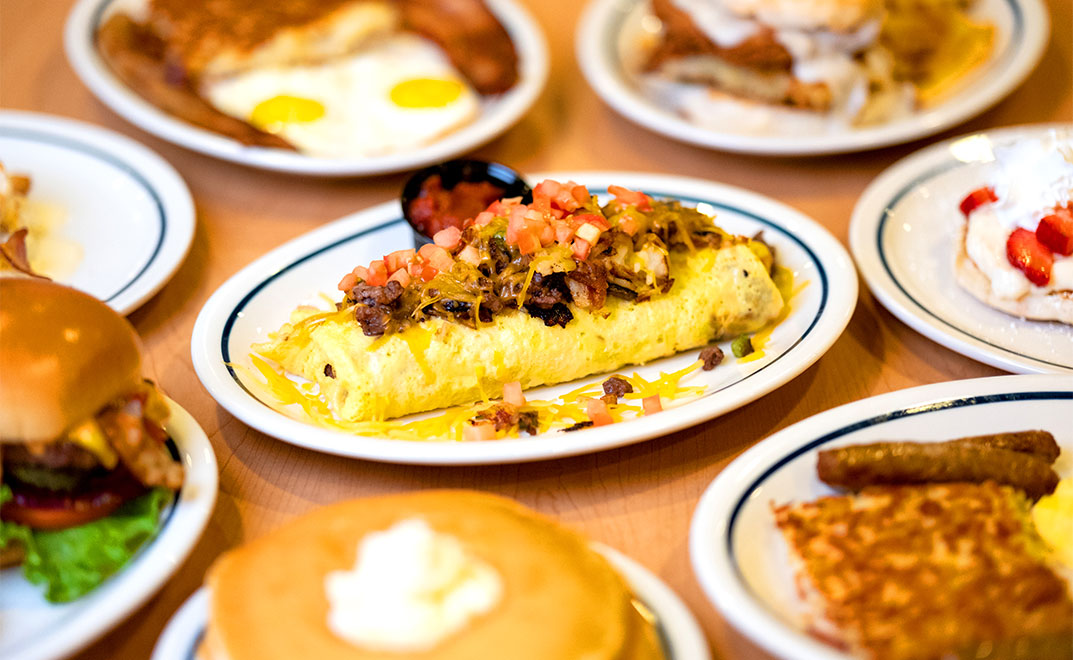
[716,294]
[1053,515]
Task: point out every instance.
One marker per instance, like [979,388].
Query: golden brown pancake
[560,599]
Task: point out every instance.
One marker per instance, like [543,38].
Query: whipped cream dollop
[1032,178]
[411,587]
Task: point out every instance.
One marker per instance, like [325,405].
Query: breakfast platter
[453,329]
[122,248]
[35,629]
[486,118]
[738,553]
[904,235]
[614,35]
[260,297]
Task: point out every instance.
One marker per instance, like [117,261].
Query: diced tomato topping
[470,255]
[400,276]
[596,409]
[398,259]
[1025,252]
[362,272]
[597,221]
[631,197]
[651,404]
[528,242]
[348,282]
[428,272]
[1056,230]
[581,248]
[479,432]
[448,237]
[629,225]
[977,198]
[581,194]
[483,218]
[512,393]
[547,188]
[547,234]
[563,232]
[437,257]
[377,274]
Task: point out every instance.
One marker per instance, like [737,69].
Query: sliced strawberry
[1025,252]
[1056,231]
[977,198]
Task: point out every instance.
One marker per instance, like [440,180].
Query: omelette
[374,360]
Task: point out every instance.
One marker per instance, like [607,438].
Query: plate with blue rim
[737,552]
[496,115]
[32,628]
[260,298]
[679,634]
[614,35]
[109,216]
[903,237]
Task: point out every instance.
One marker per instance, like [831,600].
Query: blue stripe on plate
[236,313]
[124,167]
[873,421]
[885,214]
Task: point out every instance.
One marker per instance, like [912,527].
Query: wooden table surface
[638,499]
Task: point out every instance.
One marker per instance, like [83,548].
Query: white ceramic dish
[127,210]
[497,113]
[610,31]
[903,235]
[681,636]
[259,298]
[737,552]
[33,629]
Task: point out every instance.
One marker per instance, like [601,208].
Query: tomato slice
[40,508]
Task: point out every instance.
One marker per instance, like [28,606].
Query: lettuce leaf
[12,532]
[70,563]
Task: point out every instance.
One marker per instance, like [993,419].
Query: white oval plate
[903,236]
[737,552]
[33,629]
[498,113]
[126,208]
[260,298]
[681,636]
[609,33]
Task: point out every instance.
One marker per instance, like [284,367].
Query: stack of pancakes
[560,598]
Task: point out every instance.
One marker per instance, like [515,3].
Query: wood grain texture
[638,499]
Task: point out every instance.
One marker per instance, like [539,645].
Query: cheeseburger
[85,462]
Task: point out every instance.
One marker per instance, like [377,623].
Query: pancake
[559,599]
[717,293]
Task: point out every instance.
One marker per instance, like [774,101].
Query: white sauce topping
[1033,177]
[819,55]
[411,587]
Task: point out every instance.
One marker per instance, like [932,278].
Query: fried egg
[399,94]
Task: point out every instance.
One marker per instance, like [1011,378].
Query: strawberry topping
[1026,253]
[1056,230]
[977,198]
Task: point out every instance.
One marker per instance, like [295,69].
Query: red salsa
[437,208]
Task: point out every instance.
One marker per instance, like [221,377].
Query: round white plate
[259,299]
[127,210]
[738,554]
[608,41]
[903,235]
[31,628]
[498,113]
[681,636]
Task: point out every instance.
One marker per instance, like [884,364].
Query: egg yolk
[425,93]
[1053,516]
[271,114]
